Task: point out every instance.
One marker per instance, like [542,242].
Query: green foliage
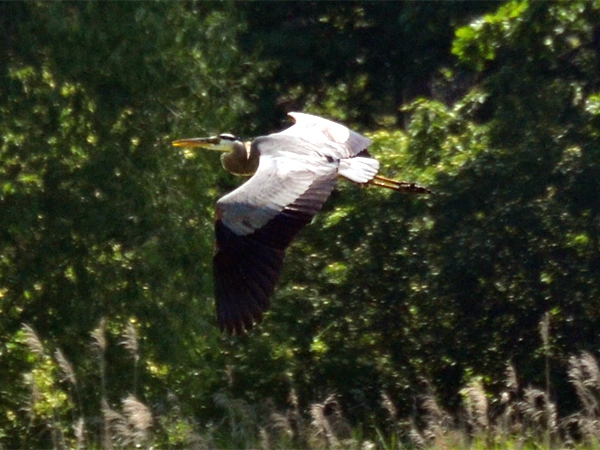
[99,216]
[524,417]
[510,226]
[383,291]
[477,42]
[372,57]
[103,222]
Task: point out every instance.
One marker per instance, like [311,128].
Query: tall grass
[519,417]
[130,342]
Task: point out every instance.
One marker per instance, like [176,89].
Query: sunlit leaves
[592,104]
[477,42]
[100,216]
[518,233]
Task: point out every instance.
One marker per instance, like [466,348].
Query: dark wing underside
[246,269]
[255,223]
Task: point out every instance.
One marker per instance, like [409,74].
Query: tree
[458,287]
[99,215]
[381,55]
[101,218]
[514,238]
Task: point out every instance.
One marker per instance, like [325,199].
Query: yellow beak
[210,143]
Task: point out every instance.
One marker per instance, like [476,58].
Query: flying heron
[293,173]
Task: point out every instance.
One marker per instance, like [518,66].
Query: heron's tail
[401,186]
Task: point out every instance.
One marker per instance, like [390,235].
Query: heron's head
[238,157]
[223,142]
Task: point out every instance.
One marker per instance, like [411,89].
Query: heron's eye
[229,137]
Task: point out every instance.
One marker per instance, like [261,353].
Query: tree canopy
[106,230]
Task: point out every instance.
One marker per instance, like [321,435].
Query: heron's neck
[241,160]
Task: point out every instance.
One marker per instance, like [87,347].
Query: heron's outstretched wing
[257,221]
[342,141]
[338,142]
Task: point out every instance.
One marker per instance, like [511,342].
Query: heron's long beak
[209,143]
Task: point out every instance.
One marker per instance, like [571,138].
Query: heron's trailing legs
[401,186]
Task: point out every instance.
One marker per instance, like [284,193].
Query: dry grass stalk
[33,341]
[99,337]
[117,426]
[35,395]
[539,413]
[584,375]
[139,419]
[544,327]
[589,364]
[330,428]
[368,445]
[265,443]
[590,430]
[533,405]
[579,427]
[65,367]
[434,432]
[293,399]
[281,425]
[130,341]
[476,406]
[508,420]
[130,428]
[287,426]
[511,380]
[414,435]
[99,345]
[389,406]
[435,417]
[322,435]
[294,415]
[79,431]
[437,422]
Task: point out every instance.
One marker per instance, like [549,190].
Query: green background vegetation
[106,232]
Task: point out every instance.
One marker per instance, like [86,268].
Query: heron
[292,173]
